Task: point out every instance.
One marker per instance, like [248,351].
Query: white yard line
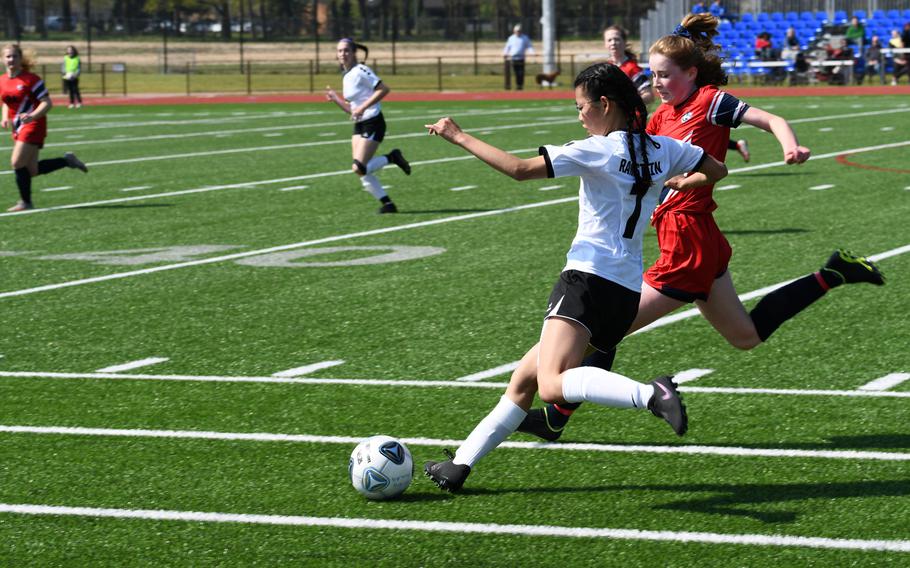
[418,383]
[822,186]
[887,382]
[780,541]
[462,187]
[296,187]
[133,365]
[58,188]
[489,373]
[307,369]
[434,442]
[136,188]
[690,375]
[292,246]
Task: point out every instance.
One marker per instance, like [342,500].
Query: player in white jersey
[595,300]
[360,98]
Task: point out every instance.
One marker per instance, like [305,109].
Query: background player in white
[596,297]
[361,95]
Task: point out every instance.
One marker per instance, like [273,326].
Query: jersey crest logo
[685,118]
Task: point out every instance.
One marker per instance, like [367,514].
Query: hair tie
[682,31]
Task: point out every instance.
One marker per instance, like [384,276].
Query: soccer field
[196,334]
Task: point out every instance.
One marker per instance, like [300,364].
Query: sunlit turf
[212,178]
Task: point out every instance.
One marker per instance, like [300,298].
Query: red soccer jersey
[704,119]
[641,80]
[21,94]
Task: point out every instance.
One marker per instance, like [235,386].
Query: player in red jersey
[694,254]
[618,54]
[26,103]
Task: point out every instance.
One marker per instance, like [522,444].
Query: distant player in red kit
[26,103]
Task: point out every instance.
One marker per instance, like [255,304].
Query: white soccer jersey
[606,205]
[359,83]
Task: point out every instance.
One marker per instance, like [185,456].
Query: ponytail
[692,45]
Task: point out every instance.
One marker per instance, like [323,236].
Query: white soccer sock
[376,163]
[596,385]
[373,185]
[492,431]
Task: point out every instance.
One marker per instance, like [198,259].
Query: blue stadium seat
[907,14]
[791,17]
[840,17]
[861,14]
[894,14]
[763,17]
[878,15]
[821,16]
[777,17]
[746,18]
[807,16]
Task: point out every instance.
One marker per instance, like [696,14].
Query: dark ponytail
[607,80]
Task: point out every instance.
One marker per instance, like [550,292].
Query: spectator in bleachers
[900,59]
[856,32]
[699,7]
[763,47]
[791,45]
[717,10]
[874,58]
[839,52]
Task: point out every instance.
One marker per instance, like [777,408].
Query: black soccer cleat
[536,424]
[851,268]
[397,158]
[447,475]
[73,162]
[666,404]
[388,208]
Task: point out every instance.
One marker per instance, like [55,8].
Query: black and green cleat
[537,424]
[852,269]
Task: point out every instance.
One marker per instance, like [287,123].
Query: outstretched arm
[780,128]
[512,166]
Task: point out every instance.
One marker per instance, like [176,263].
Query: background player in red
[694,254]
[26,103]
[618,54]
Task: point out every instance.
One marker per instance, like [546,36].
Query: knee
[358,168]
[745,342]
[550,388]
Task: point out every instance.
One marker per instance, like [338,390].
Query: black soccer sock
[732,145]
[385,199]
[24,182]
[784,303]
[51,165]
[558,414]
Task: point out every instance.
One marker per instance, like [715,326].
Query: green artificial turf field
[219,273]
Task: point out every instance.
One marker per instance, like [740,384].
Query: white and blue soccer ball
[381,467]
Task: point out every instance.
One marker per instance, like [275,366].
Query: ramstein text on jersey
[651,168]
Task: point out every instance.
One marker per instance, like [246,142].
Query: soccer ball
[381,467]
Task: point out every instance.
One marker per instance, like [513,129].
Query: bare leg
[726,313]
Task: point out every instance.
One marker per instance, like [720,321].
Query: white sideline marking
[690,375]
[434,442]
[727,187]
[294,187]
[58,188]
[494,372]
[136,188]
[273,134]
[419,383]
[324,134]
[822,186]
[462,187]
[887,128]
[541,132]
[461,528]
[825,129]
[550,187]
[886,382]
[307,369]
[287,247]
[133,365]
